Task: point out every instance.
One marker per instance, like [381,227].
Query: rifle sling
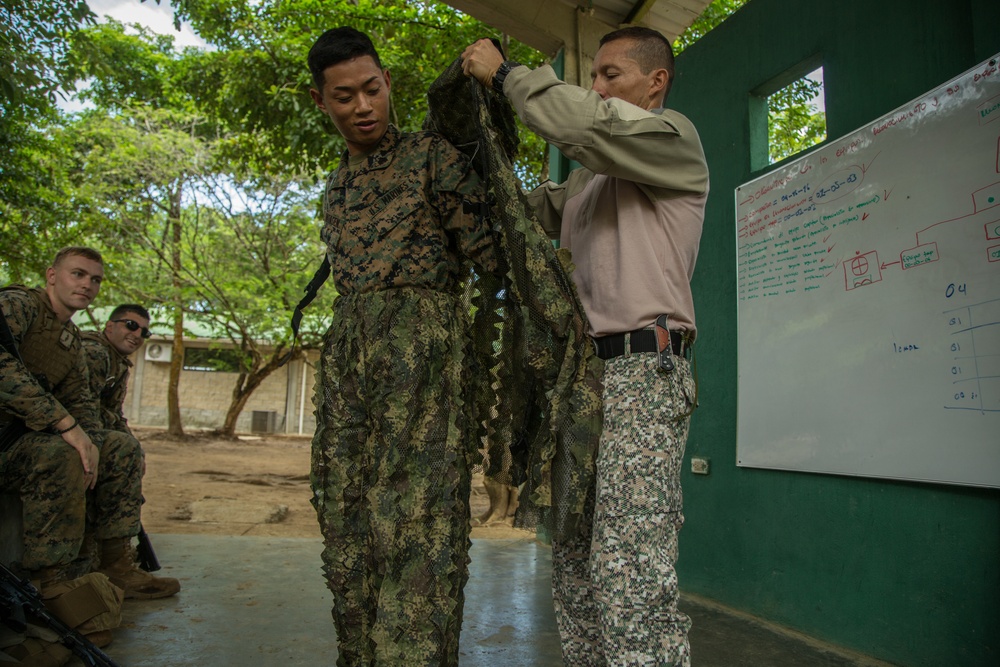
[322,273]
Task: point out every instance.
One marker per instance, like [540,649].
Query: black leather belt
[640,340]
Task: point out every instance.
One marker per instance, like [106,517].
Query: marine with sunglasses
[108,545]
[108,354]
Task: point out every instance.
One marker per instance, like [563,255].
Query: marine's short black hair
[335,46]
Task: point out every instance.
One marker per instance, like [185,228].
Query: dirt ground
[249,486]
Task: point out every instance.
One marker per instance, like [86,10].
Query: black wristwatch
[502,72]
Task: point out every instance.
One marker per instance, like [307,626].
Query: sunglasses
[132,325]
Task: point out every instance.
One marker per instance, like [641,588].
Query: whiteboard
[869,297]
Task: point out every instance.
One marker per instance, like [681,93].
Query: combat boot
[118,563]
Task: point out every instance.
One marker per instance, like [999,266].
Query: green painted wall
[908,573]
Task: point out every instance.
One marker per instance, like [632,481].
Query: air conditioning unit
[263,421]
[159,352]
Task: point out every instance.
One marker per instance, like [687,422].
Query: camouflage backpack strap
[322,273]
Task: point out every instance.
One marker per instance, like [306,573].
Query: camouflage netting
[537,381]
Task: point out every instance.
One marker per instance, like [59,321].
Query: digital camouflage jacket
[109,371]
[395,217]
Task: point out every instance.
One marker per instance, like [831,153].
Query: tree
[250,247]
[229,252]
[34,40]
[186,156]
[34,36]
[133,179]
[164,187]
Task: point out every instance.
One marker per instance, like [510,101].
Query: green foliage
[34,37]
[124,67]
[33,43]
[794,123]
[35,216]
[251,248]
[256,81]
[714,14]
[180,230]
[130,173]
[245,242]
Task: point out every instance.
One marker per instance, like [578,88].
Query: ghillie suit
[537,383]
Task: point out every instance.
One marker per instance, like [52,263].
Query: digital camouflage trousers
[614,586]
[57,509]
[391,476]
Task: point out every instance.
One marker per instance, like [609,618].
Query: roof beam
[576,26]
[639,11]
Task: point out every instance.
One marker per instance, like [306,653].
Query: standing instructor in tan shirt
[632,217]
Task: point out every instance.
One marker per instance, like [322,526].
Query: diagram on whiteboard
[869,297]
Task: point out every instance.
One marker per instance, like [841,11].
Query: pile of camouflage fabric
[537,378]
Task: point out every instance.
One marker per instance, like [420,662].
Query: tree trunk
[245,386]
[174,424]
[240,398]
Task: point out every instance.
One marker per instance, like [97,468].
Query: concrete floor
[262,601]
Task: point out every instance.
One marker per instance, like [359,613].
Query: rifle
[15,427]
[147,557]
[18,599]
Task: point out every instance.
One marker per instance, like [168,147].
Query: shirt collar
[381,157]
